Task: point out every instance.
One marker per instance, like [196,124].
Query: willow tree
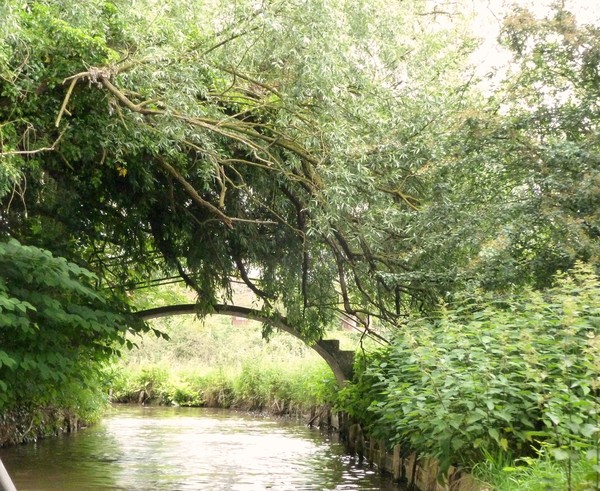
[516,198]
[280,143]
[556,108]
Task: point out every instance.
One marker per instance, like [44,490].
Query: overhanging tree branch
[191,191]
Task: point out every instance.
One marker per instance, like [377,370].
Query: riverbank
[293,390]
[30,425]
[224,362]
[218,364]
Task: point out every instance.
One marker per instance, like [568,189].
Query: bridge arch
[340,361]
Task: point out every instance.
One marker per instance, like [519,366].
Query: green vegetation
[57,331]
[493,376]
[204,144]
[542,473]
[333,156]
[218,364]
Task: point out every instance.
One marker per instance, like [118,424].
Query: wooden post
[335,421]
[343,426]
[382,455]
[371,452]
[396,464]
[411,470]
[427,476]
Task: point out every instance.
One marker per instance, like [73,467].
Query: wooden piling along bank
[417,474]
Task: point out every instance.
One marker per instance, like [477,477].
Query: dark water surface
[157,448]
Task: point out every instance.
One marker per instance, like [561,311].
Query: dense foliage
[332,155]
[492,374]
[294,141]
[211,126]
[57,330]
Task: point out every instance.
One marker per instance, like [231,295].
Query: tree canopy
[332,155]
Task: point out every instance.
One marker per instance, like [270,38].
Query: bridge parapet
[340,361]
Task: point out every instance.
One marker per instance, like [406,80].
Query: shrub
[217,389]
[57,332]
[183,393]
[493,374]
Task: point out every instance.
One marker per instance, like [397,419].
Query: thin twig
[65,101]
[37,150]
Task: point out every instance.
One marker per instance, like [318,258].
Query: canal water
[158,448]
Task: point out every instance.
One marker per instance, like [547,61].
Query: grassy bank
[224,362]
[544,473]
[262,386]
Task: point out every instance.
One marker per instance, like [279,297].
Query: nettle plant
[493,374]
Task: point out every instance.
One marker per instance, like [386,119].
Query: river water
[158,448]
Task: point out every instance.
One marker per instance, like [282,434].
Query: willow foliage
[280,143]
[332,155]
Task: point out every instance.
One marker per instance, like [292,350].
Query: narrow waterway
[157,448]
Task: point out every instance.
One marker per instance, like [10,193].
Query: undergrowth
[541,473]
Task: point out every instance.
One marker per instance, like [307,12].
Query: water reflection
[139,448]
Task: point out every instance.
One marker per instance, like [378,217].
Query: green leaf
[588,430]
[560,454]
[7,360]
[493,432]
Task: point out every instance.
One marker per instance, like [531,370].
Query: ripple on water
[136,448]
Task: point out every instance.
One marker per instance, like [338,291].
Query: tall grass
[220,363]
[261,386]
[544,473]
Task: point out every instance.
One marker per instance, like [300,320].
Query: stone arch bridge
[340,361]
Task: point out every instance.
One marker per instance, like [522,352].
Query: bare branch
[244,275]
[227,40]
[237,74]
[37,150]
[191,191]
[65,102]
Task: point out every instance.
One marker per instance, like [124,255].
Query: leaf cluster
[285,139]
[329,157]
[56,328]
